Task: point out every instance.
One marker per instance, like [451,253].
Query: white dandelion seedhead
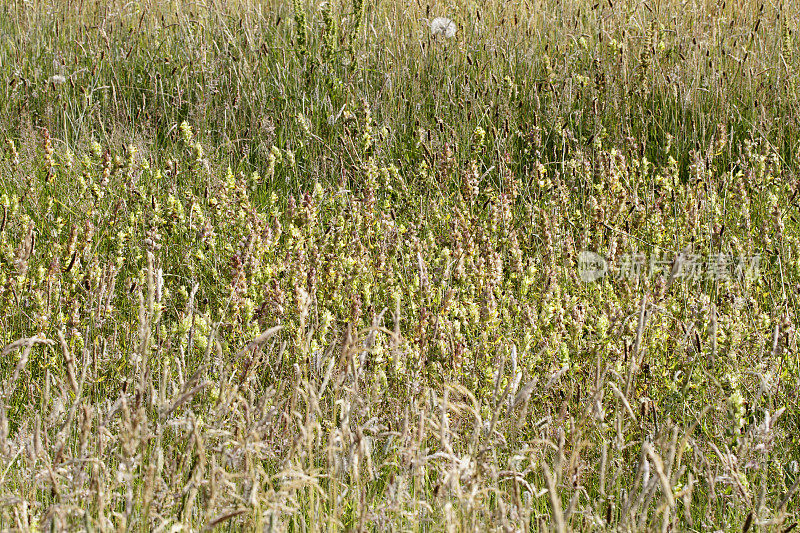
[58,79]
[443,26]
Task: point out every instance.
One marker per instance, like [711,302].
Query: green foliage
[326,274]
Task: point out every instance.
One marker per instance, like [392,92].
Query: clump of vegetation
[331,294]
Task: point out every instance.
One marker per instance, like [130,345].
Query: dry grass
[344,293]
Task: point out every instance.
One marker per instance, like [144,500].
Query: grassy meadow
[316,266]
